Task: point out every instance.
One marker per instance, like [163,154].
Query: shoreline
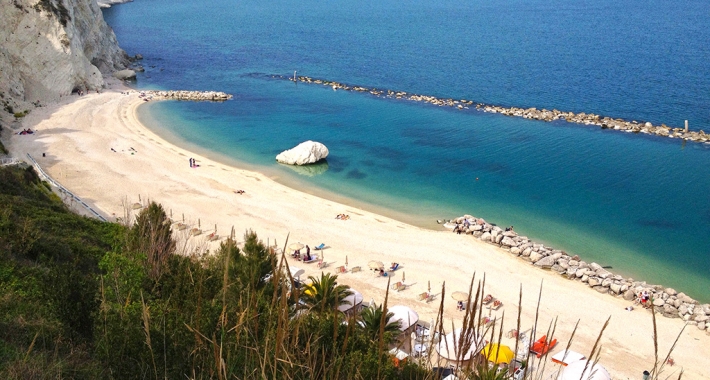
[77,136]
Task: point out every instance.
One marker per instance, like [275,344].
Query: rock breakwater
[533,113]
[667,301]
[214,96]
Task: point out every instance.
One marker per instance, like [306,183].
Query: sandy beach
[96,147]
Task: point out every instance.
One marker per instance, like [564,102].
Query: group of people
[193,163]
[509,228]
[307,257]
[342,217]
[27,131]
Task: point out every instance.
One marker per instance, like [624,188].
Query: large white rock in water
[303,154]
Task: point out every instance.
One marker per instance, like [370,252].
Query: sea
[637,203]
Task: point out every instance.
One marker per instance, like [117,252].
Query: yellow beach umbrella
[498,353]
[375,264]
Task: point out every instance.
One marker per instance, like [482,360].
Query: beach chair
[195,231]
[320,247]
[355,270]
[394,268]
[322,264]
[181,226]
[313,259]
[212,237]
[399,286]
[426,297]
[496,305]
[341,269]
[487,299]
[485,321]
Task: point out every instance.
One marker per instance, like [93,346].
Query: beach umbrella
[296,272]
[448,348]
[428,287]
[352,301]
[405,315]
[296,246]
[459,296]
[346,260]
[402,276]
[575,371]
[498,353]
[375,264]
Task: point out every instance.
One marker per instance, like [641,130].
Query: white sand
[78,134]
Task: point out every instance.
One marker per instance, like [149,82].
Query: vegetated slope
[48,280]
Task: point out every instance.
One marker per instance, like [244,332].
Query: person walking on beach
[191,162]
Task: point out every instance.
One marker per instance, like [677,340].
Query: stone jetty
[604,122]
[667,301]
[213,96]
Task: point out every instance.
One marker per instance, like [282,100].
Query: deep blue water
[638,203]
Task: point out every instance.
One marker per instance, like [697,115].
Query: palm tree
[370,322]
[324,295]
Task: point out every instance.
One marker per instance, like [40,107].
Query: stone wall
[667,301]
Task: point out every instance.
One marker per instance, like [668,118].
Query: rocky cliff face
[50,48]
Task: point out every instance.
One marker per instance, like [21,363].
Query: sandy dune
[77,137]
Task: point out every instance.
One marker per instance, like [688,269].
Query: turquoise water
[638,203]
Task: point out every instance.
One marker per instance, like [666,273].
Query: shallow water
[638,203]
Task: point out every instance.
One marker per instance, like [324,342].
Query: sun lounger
[322,264]
[321,246]
[181,226]
[313,259]
[495,305]
[355,270]
[341,269]
[485,321]
[195,231]
[425,297]
[212,237]
[487,299]
[394,268]
[399,286]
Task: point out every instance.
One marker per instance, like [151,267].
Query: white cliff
[50,48]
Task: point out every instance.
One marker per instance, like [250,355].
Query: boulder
[629,295]
[515,250]
[125,75]
[535,256]
[616,288]
[545,262]
[486,236]
[507,241]
[305,153]
[701,318]
[701,325]
[601,289]
[671,292]
[593,281]
[659,302]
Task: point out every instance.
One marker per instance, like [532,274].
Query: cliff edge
[49,48]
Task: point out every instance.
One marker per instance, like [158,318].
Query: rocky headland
[666,301]
[604,122]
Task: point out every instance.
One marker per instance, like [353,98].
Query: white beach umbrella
[405,315]
[296,273]
[573,371]
[352,300]
[449,346]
